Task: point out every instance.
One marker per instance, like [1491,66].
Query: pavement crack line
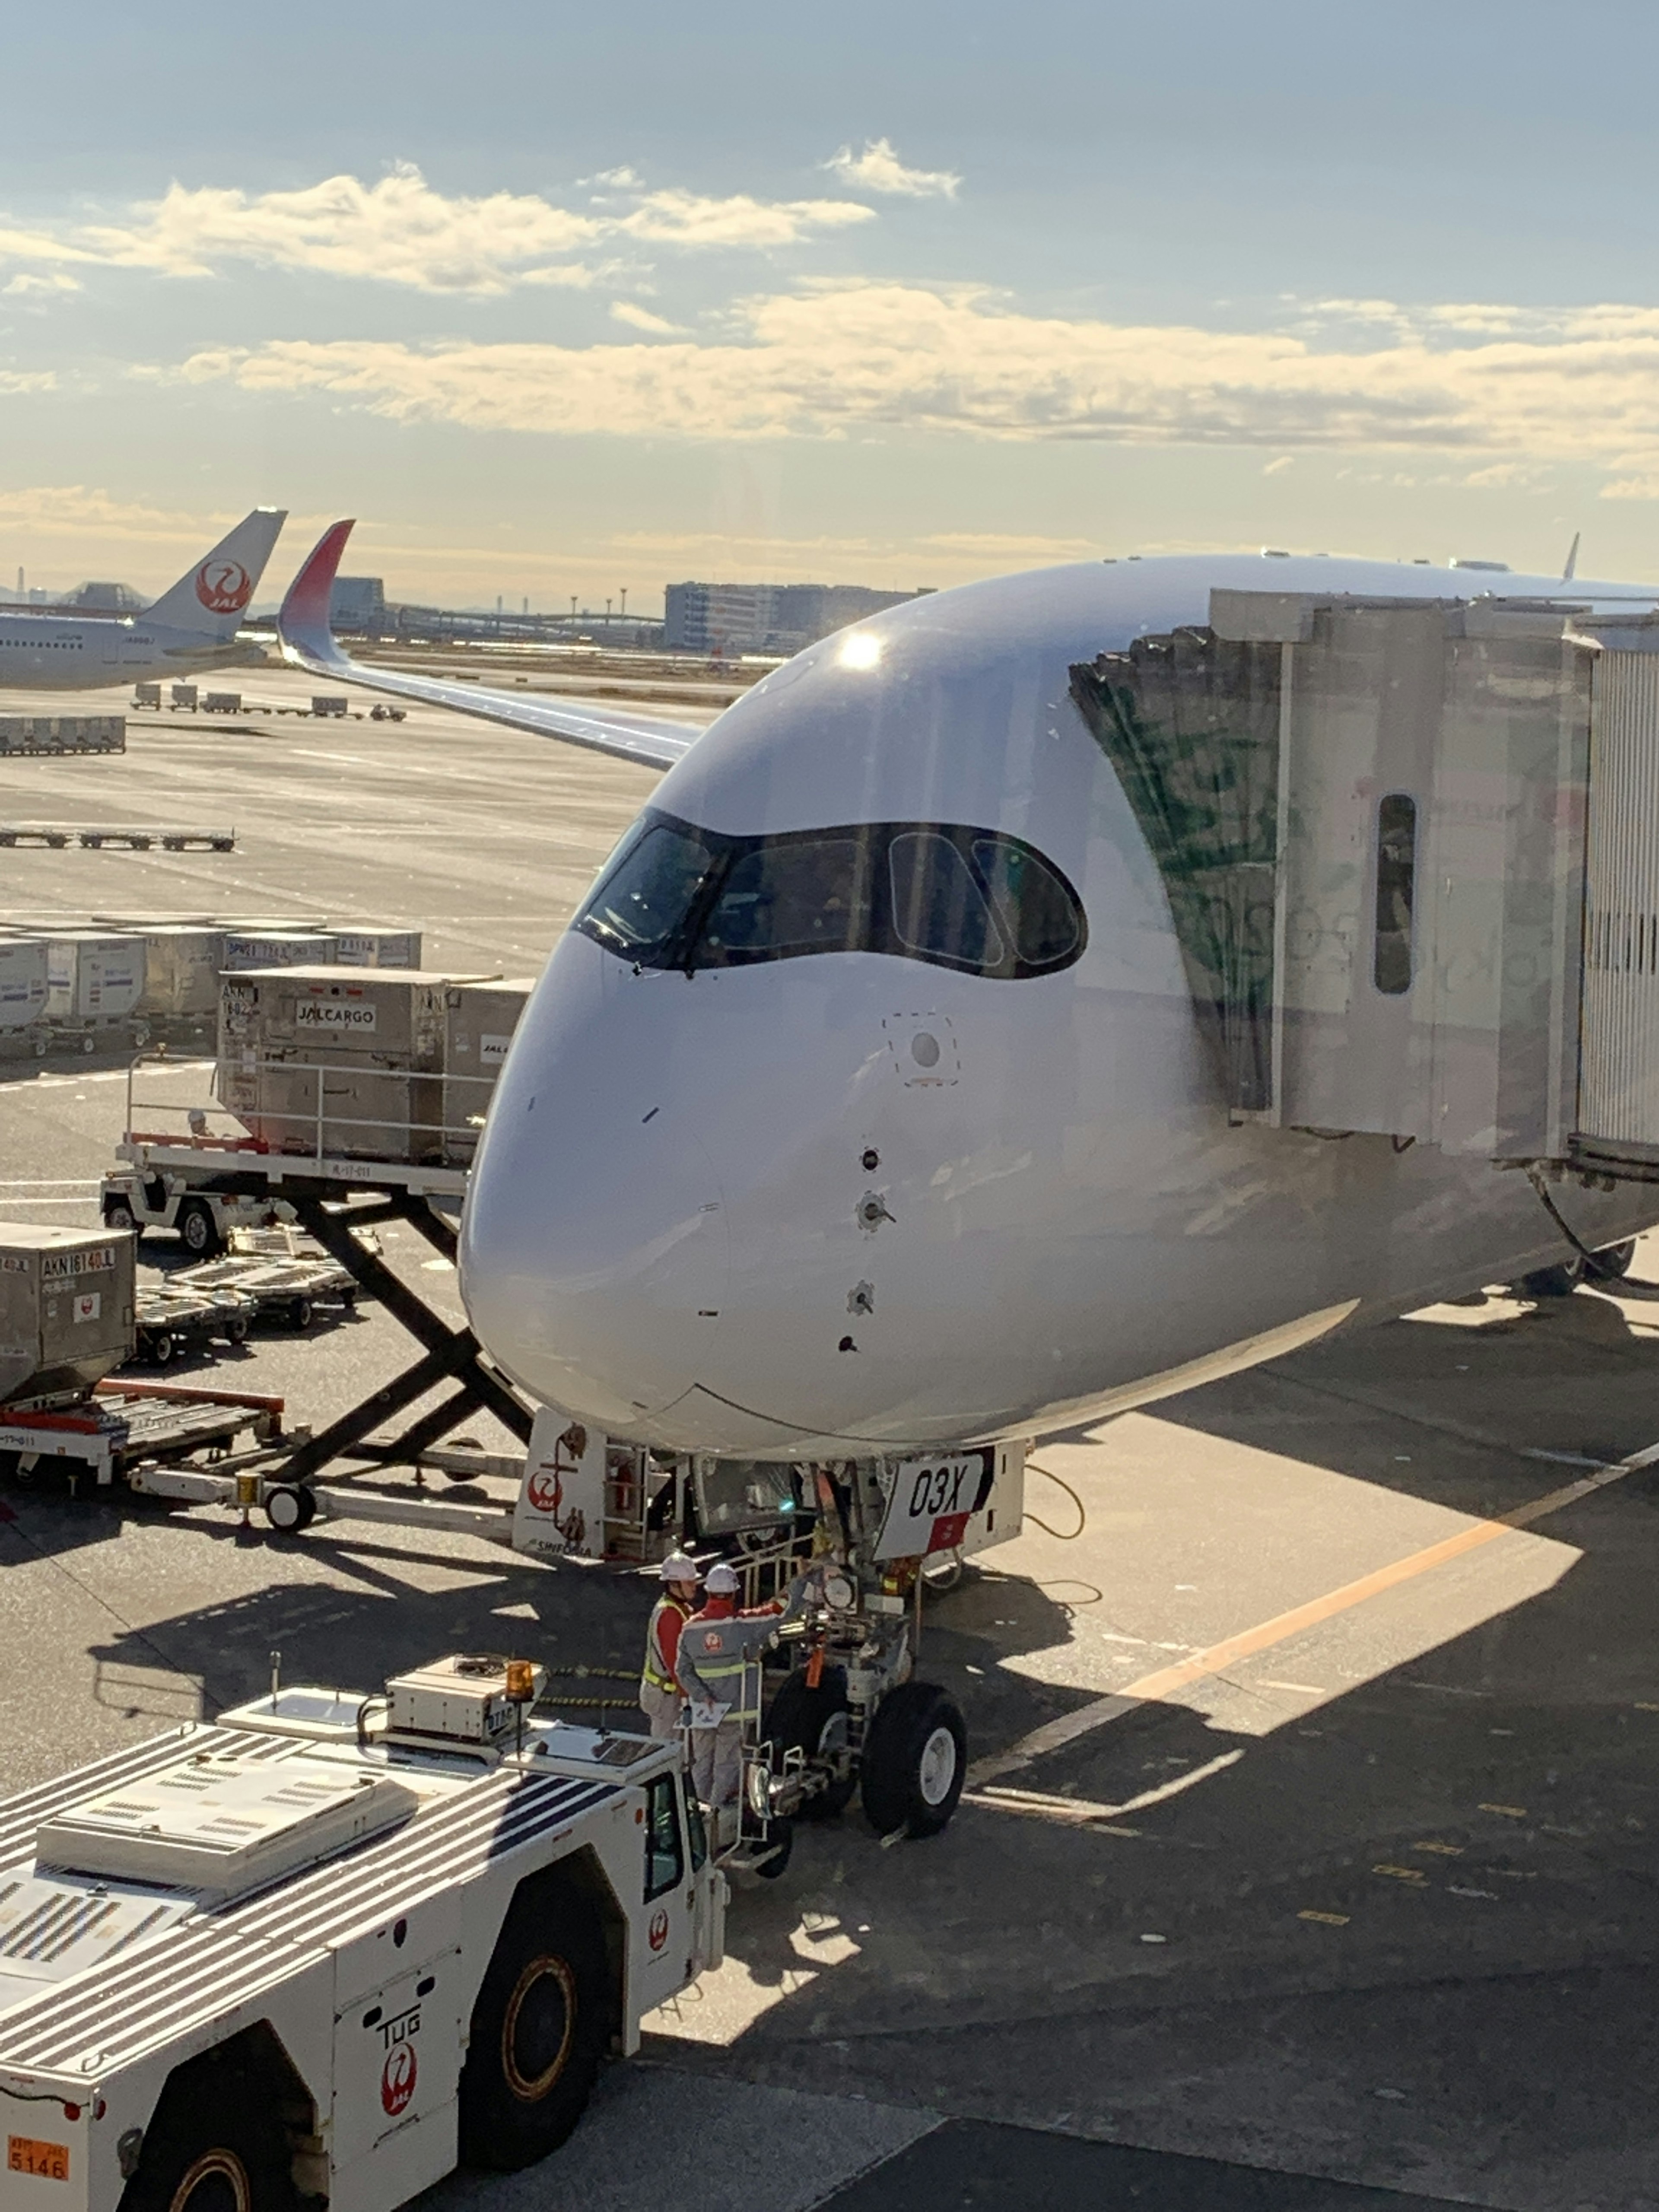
[1166,1682]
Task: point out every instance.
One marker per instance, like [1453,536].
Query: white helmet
[678,1567]
[721,1581]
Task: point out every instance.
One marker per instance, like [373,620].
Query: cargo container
[66,1309]
[31,734]
[393,1017]
[181,970]
[22,982]
[184,694]
[221,703]
[146,695]
[480,1019]
[94,976]
[348,1063]
[365,944]
[277,948]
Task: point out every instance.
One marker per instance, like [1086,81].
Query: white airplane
[191,626]
[867,1104]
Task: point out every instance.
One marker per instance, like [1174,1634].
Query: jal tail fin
[303,625]
[211,599]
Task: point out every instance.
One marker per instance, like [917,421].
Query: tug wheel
[539,2028]
[216,2144]
[118,1214]
[915,1760]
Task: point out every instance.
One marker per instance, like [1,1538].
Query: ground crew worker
[661,1698]
[722,1682]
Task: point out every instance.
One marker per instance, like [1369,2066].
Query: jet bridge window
[1396,882]
[978,900]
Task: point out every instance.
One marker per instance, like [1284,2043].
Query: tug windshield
[677,897]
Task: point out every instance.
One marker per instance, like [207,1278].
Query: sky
[559,302]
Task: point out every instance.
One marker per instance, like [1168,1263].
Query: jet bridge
[1412,852]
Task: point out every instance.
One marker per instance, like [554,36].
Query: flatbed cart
[136,1432]
[175,1317]
[275,1273]
[335,1944]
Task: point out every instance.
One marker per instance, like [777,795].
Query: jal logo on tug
[657,1935]
[398,2078]
[224,588]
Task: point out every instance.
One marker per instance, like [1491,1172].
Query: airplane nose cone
[595,1252]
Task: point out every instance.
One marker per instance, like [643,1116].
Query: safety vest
[652,1674]
[722,1652]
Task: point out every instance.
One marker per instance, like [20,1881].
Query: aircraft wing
[308,642]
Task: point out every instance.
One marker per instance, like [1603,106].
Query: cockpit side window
[640,906]
[975,900]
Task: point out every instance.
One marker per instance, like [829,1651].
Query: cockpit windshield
[677,897]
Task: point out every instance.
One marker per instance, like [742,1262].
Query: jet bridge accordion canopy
[1372,818]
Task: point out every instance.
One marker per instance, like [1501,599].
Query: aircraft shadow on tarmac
[1402,1932]
[1379,1903]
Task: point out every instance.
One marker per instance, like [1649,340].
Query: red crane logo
[398,2078]
[224,588]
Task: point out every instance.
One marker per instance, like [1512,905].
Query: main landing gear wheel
[915,1760]
[198,1230]
[289,1508]
[1613,1262]
[216,2144]
[540,2029]
[815,1721]
[1558,1282]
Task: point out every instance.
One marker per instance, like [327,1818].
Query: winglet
[1568,572]
[303,624]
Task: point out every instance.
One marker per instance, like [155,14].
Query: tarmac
[1309,1855]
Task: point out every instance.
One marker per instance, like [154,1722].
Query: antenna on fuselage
[1572,557]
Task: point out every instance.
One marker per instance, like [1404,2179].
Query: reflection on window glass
[639,909]
[664,1860]
[807,897]
[694,1827]
[1396,872]
[1032,905]
[937,907]
[677,897]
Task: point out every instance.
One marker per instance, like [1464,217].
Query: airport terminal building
[724,619]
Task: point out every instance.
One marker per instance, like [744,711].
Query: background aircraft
[191,626]
[870,1101]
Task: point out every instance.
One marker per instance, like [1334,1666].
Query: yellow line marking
[1510,1812]
[1444,1851]
[1326,1919]
[1166,1682]
[1403,1874]
[1641,1708]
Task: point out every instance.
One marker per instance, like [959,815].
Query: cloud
[672,217]
[41,287]
[629,311]
[36,379]
[401,231]
[1278,468]
[879,169]
[73,510]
